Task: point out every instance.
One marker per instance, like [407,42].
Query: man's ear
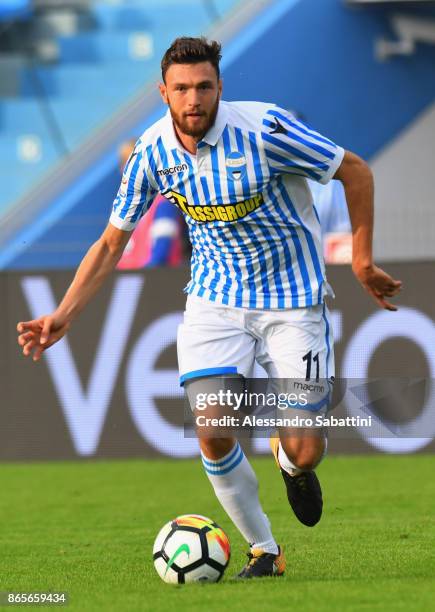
[220,86]
[163,93]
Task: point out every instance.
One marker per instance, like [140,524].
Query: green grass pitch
[88,528]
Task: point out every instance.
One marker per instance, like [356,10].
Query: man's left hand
[378,284]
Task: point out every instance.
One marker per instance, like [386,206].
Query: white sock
[290,467]
[236,487]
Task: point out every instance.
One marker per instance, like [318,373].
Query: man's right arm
[39,334]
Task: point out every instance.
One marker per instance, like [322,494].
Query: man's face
[192,92]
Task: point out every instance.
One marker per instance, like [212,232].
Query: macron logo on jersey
[173,170]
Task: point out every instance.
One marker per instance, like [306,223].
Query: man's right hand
[38,335]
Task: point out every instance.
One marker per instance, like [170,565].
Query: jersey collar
[211,137]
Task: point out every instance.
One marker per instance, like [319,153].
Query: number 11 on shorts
[309,359]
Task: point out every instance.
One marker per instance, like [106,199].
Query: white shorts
[219,340]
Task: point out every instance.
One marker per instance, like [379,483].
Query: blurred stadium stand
[71,66]
[15,9]
[81,77]
[78,77]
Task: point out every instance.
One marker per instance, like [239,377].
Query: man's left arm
[357,180]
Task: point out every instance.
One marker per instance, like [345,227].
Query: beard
[197,128]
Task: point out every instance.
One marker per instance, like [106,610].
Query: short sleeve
[291,147]
[135,193]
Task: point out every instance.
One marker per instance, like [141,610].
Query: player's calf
[216,448]
[302,451]
[236,487]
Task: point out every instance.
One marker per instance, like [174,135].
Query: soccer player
[237,171]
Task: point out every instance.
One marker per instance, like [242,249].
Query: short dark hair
[187,50]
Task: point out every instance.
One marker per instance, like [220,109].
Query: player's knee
[216,448]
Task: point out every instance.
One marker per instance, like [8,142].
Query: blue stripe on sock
[229,468]
[221,463]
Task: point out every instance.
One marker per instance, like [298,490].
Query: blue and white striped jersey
[255,235]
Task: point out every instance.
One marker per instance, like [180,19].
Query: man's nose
[193,97]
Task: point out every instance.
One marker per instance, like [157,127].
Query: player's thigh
[211,341]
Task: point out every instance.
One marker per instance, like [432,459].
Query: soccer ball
[191,548]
